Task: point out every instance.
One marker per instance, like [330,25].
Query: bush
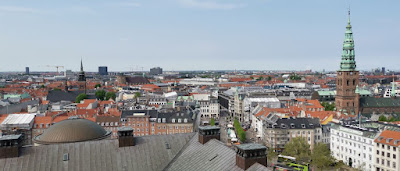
[97,86]
[100,94]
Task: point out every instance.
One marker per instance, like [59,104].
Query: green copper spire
[348,62]
[393,93]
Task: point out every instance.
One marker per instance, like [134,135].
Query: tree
[111,95]
[42,86]
[97,86]
[260,78]
[80,97]
[100,94]
[251,77]
[299,148]
[57,89]
[212,122]
[328,107]
[271,154]
[321,156]
[239,130]
[382,118]
[269,78]
[137,94]
[242,136]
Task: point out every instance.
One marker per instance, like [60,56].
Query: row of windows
[387,146]
[387,154]
[387,163]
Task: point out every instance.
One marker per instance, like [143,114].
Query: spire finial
[81,65]
[349,13]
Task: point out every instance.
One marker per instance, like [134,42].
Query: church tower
[346,100]
[82,79]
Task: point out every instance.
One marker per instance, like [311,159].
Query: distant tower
[347,79]
[103,70]
[82,79]
[27,70]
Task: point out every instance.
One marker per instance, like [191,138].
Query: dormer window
[173,120]
[185,120]
[164,120]
[303,125]
[292,125]
[388,140]
[283,126]
[179,120]
[159,120]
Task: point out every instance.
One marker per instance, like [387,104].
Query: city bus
[289,163]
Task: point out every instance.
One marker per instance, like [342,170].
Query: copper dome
[72,130]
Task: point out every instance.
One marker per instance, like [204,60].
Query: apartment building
[387,151]
[353,145]
[278,134]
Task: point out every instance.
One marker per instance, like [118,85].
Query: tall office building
[27,70]
[156,71]
[103,70]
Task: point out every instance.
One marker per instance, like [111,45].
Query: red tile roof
[389,137]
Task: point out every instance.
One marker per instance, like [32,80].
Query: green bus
[288,163]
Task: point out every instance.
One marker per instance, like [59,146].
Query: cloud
[17,9]
[209,5]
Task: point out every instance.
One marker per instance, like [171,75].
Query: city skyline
[195,35]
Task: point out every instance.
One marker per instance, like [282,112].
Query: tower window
[348,82]
[354,82]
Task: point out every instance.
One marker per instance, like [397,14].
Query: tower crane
[56,66]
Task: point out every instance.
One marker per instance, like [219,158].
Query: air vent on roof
[65,157]
[167,146]
[212,158]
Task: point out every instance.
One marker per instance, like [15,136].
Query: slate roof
[213,155]
[137,80]
[58,95]
[379,102]
[149,153]
[296,123]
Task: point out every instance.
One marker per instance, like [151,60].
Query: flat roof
[18,119]
[10,137]
[208,127]
[251,146]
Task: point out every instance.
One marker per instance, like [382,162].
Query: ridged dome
[72,130]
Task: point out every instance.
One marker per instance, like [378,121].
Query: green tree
[242,136]
[299,148]
[137,94]
[80,97]
[252,78]
[260,78]
[42,86]
[271,154]
[56,89]
[212,122]
[321,156]
[269,78]
[111,95]
[382,118]
[97,86]
[328,107]
[100,94]
[239,130]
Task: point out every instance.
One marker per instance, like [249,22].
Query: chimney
[206,133]
[125,137]
[10,145]
[248,154]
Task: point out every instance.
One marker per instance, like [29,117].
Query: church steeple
[348,62]
[82,73]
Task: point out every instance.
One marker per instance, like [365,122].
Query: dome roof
[72,130]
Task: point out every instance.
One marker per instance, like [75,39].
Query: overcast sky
[196,34]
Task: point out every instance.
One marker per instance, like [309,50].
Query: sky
[131,35]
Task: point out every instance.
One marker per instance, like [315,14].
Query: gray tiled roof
[149,153]
[213,155]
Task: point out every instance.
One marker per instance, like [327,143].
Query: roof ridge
[180,152]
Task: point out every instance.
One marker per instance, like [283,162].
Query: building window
[394,156]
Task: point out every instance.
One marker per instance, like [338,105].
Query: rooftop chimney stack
[248,154]
[206,133]
[10,145]
[125,137]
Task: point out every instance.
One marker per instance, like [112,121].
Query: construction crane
[55,66]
